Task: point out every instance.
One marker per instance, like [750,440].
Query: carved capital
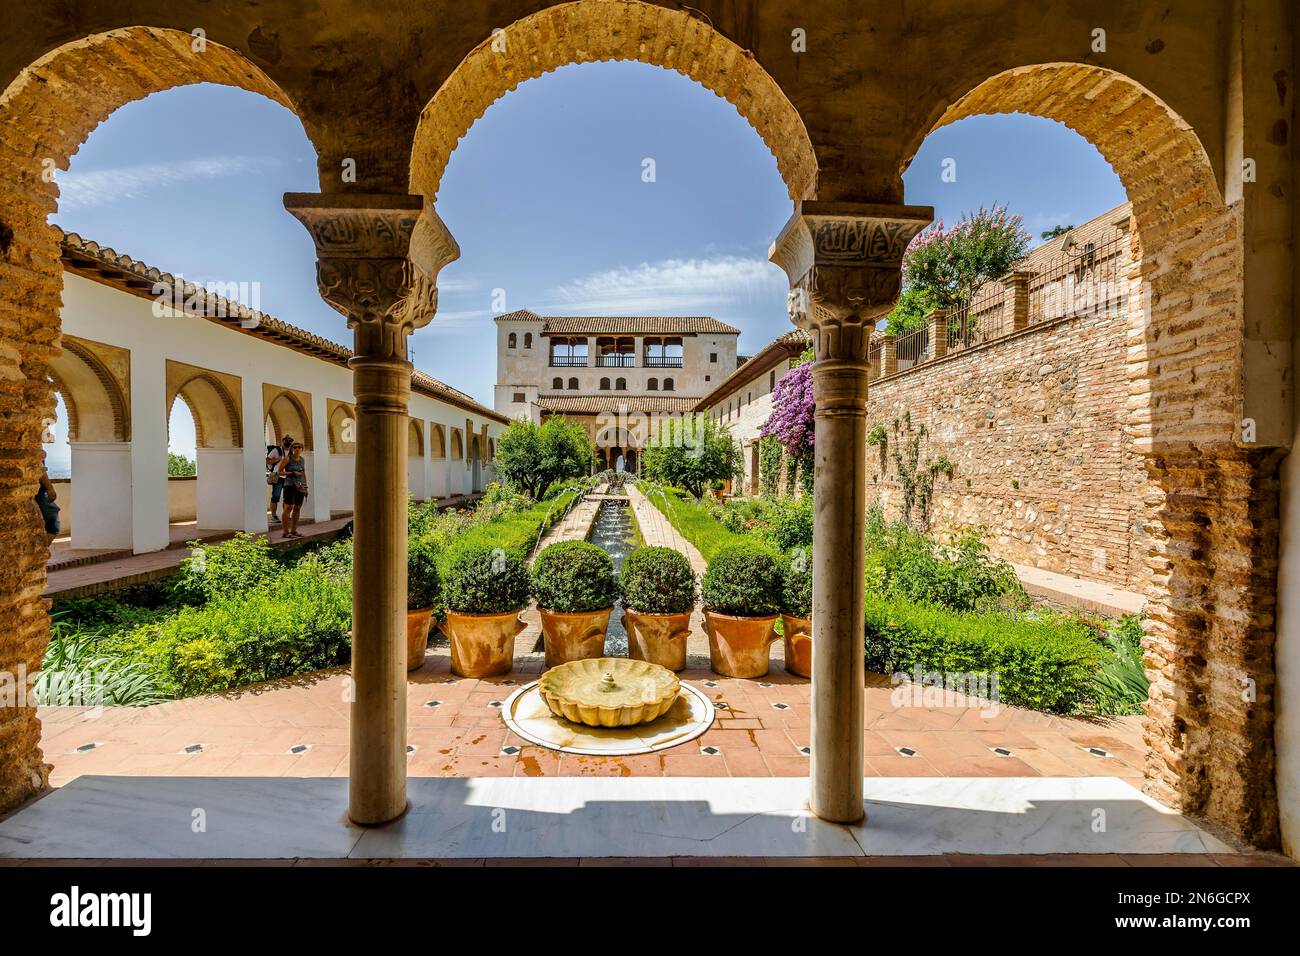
[844,264]
[377,263]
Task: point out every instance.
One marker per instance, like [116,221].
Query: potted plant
[742,597]
[796,612]
[484,589]
[658,596]
[575,589]
[421,596]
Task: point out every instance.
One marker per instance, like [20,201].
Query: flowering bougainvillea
[791,421]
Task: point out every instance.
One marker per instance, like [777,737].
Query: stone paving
[455,728]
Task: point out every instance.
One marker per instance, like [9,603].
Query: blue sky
[545,196]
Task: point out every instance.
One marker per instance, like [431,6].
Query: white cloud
[680,286]
[124,183]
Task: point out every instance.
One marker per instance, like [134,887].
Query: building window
[652,385]
[771,380]
[668,385]
[713,357]
[663,353]
[512,341]
[569,353]
[557,384]
[604,385]
[528,340]
[573,384]
[708,378]
[620,385]
[617,352]
[519,398]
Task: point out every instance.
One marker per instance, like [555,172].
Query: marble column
[843,261]
[377,262]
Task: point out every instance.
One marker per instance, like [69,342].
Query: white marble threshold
[280,817]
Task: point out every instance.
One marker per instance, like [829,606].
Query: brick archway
[46,113]
[588,31]
[1211,504]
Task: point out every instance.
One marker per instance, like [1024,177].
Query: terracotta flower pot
[798,644]
[417,637]
[574,637]
[739,646]
[483,645]
[658,638]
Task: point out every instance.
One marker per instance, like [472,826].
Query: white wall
[128,506]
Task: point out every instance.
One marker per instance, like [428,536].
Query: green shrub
[481,579]
[231,567]
[963,576]
[572,577]
[1120,685]
[789,523]
[796,588]
[1045,663]
[743,580]
[658,581]
[421,574]
[298,625]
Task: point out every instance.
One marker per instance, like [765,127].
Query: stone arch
[341,413]
[1210,503]
[94,392]
[46,113]
[286,413]
[438,440]
[457,445]
[588,31]
[415,438]
[212,402]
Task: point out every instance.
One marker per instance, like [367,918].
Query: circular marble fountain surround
[527,715]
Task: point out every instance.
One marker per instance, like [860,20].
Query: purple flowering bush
[791,421]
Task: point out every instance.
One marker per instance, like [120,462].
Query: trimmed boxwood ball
[421,574]
[796,588]
[573,577]
[485,580]
[744,580]
[658,581]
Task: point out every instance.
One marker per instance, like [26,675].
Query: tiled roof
[622,324]
[784,346]
[596,404]
[103,264]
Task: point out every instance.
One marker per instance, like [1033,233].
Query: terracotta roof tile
[596,404]
[90,259]
[622,324]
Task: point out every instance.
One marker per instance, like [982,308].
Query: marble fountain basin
[609,691]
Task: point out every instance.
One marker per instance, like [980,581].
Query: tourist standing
[293,470]
[274,455]
[45,497]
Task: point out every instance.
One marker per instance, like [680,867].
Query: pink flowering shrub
[949,265]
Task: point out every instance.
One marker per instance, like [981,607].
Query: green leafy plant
[1120,685]
[796,588]
[481,579]
[770,458]
[658,581]
[692,453]
[421,574]
[178,466]
[236,566]
[573,577]
[75,672]
[962,576]
[744,580]
[1046,663]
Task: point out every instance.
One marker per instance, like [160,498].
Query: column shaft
[377,757]
[840,496]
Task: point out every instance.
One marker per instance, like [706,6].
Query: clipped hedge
[745,580]
[481,579]
[796,589]
[1045,663]
[514,532]
[574,577]
[658,581]
[694,521]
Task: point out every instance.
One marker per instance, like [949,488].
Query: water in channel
[612,531]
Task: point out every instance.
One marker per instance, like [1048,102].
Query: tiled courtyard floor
[456,730]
